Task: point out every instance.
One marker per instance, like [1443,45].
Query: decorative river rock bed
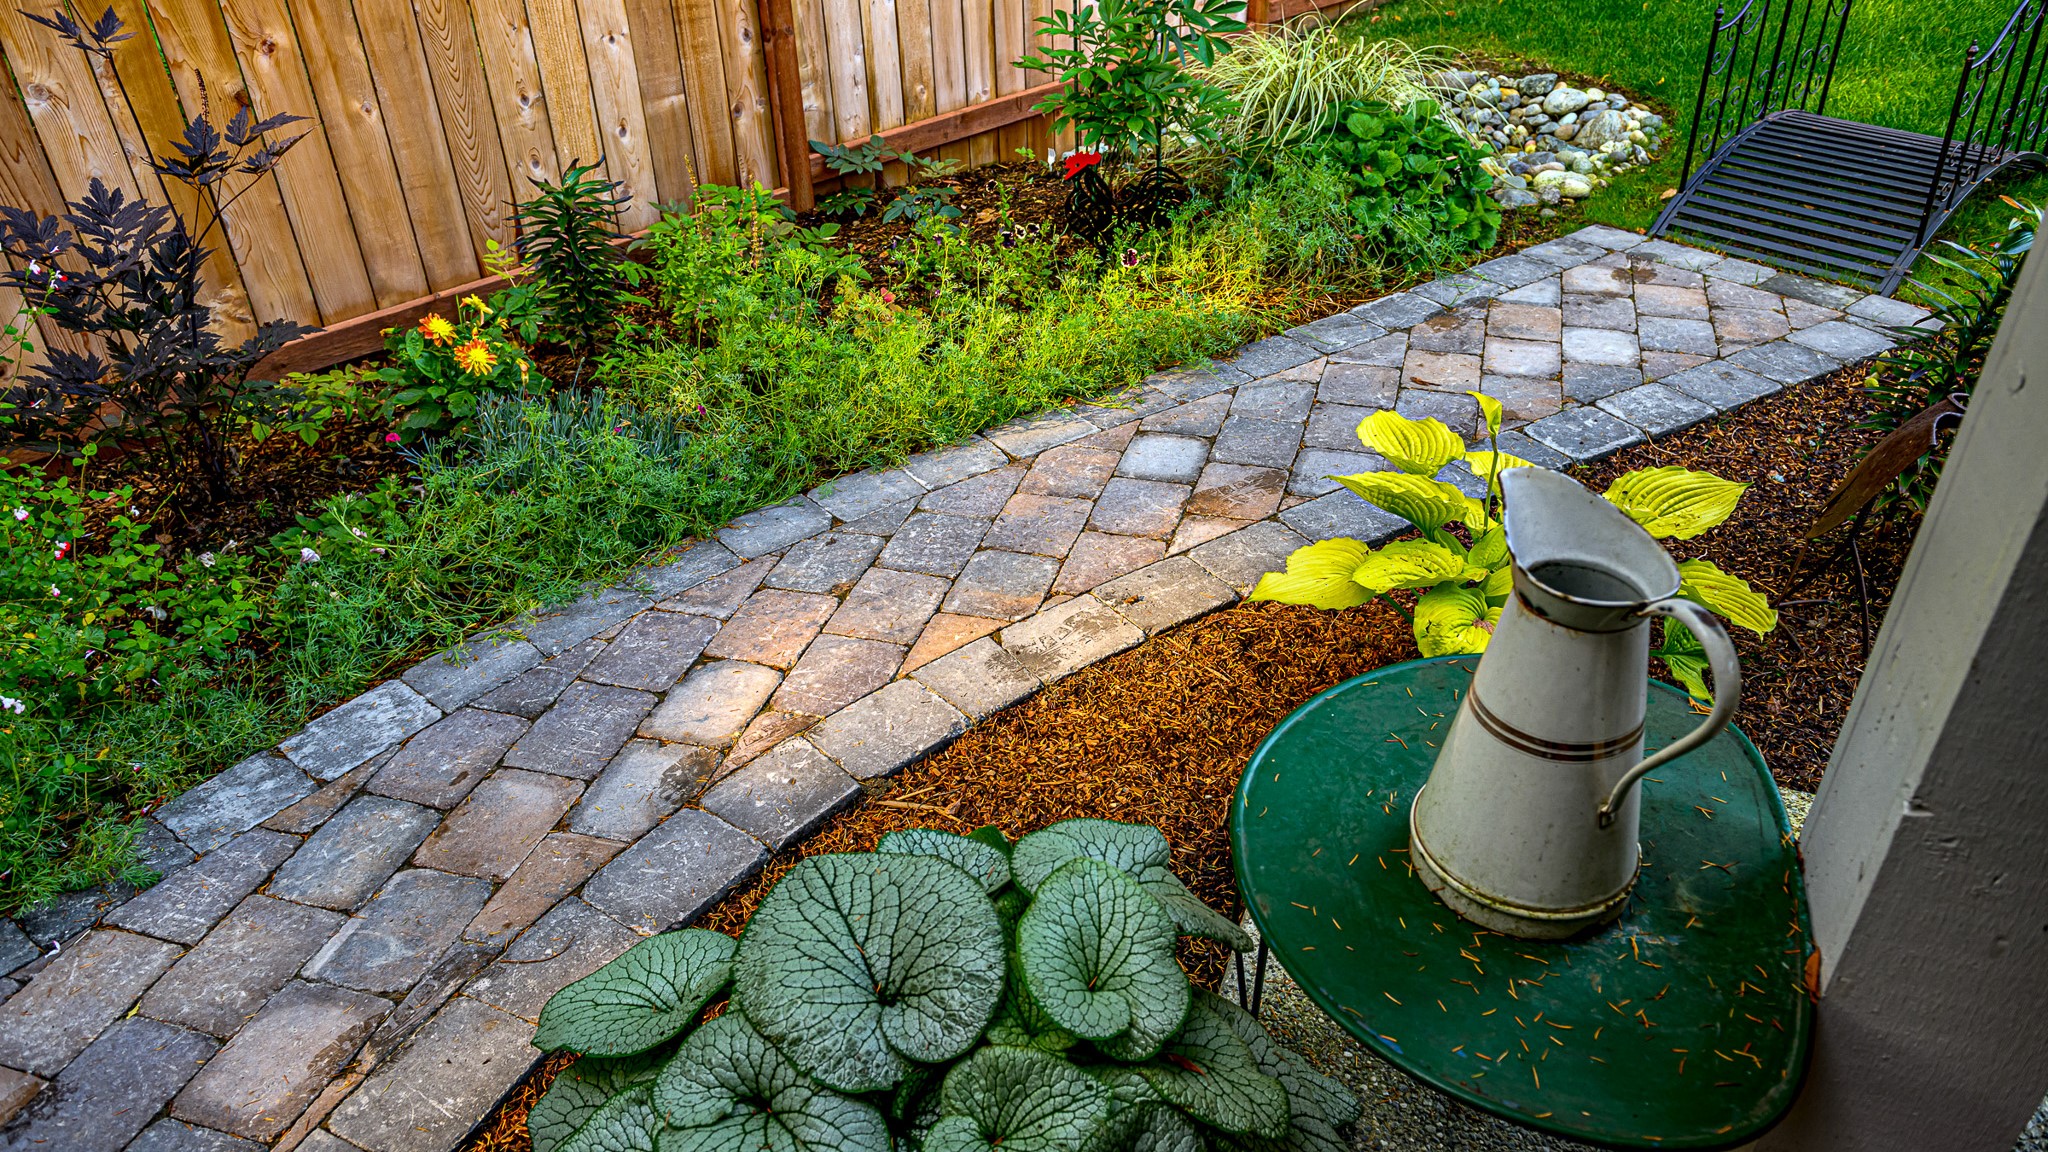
[1550,143]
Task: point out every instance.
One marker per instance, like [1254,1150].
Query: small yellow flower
[473,301]
[437,328]
[476,358]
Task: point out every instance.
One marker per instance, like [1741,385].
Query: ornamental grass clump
[1460,564]
[950,993]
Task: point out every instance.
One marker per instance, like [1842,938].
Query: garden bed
[1160,735]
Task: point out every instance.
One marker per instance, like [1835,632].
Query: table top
[1685,1024]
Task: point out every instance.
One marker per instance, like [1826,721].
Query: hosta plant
[1460,564]
[945,993]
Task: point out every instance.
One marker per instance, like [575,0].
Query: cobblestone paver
[358,929]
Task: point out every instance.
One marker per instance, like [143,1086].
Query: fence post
[785,92]
[1257,13]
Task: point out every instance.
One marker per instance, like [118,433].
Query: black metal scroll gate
[1784,183]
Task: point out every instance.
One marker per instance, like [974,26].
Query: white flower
[206,558]
[10,704]
[308,556]
[358,531]
[35,268]
[134,511]
[156,613]
[21,513]
[54,594]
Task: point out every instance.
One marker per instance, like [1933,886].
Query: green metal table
[1683,1025]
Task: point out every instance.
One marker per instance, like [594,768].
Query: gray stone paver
[833,638]
[113,1089]
[257,1085]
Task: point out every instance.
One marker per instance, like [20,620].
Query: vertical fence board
[1013,19]
[746,85]
[814,70]
[275,71]
[195,45]
[352,112]
[949,65]
[468,122]
[565,75]
[978,23]
[449,240]
[63,100]
[513,73]
[27,181]
[914,42]
[621,119]
[664,99]
[704,68]
[885,62]
[847,36]
[148,117]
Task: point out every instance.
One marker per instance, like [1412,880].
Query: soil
[1161,734]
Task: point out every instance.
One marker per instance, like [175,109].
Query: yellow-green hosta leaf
[1319,576]
[1488,465]
[1417,447]
[1490,548]
[1453,621]
[1675,503]
[1476,517]
[1489,408]
[1423,502]
[1731,596]
[1686,659]
[1499,583]
[1413,564]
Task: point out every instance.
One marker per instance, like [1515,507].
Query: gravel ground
[1402,1115]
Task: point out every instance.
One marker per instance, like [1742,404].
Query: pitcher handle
[1727,694]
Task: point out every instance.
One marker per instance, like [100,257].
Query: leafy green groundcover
[944,993]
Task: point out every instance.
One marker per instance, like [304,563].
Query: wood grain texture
[518,99]
[814,71]
[914,42]
[846,33]
[977,19]
[885,62]
[664,99]
[948,129]
[63,100]
[565,75]
[746,86]
[352,113]
[275,70]
[697,30]
[621,119]
[468,121]
[785,89]
[196,48]
[450,242]
[26,181]
[148,116]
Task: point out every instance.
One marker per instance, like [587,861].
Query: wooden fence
[430,116]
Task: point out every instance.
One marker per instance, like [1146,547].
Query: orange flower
[476,358]
[437,328]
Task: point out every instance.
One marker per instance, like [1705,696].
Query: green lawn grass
[1899,64]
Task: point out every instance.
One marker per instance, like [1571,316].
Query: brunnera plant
[949,993]
[129,276]
[1465,580]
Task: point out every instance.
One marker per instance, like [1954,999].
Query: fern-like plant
[566,236]
[1465,579]
[950,993]
[1284,79]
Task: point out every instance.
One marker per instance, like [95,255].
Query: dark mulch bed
[1161,734]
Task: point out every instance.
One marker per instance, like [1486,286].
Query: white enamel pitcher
[1528,823]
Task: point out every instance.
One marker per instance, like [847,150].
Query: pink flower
[888,297]
[391,437]
[63,549]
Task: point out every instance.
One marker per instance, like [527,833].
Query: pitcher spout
[1578,560]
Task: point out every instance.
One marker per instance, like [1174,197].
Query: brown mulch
[1791,450]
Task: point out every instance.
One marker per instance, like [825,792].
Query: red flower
[1079,161]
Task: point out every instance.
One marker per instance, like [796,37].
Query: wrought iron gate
[1785,183]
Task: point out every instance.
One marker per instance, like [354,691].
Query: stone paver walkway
[359,928]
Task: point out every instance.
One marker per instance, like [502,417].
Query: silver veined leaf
[579,1091]
[1309,1092]
[1413,564]
[1210,1074]
[1098,958]
[1319,576]
[1423,502]
[973,857]
[1139,850]
[1675,503]
[1417,447]
[855,965]
[1019,1021]
[1140,1119]
[728,1090]
[1730,596]
[624,1123]
[1019,1101]
[1453,621]
[649,994]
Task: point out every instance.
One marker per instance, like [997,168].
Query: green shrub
[1414,180]
[566,236]
[1121,64]
[442,367]
[1297,207]
[955,993]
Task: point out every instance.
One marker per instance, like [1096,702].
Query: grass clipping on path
[1158,735]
